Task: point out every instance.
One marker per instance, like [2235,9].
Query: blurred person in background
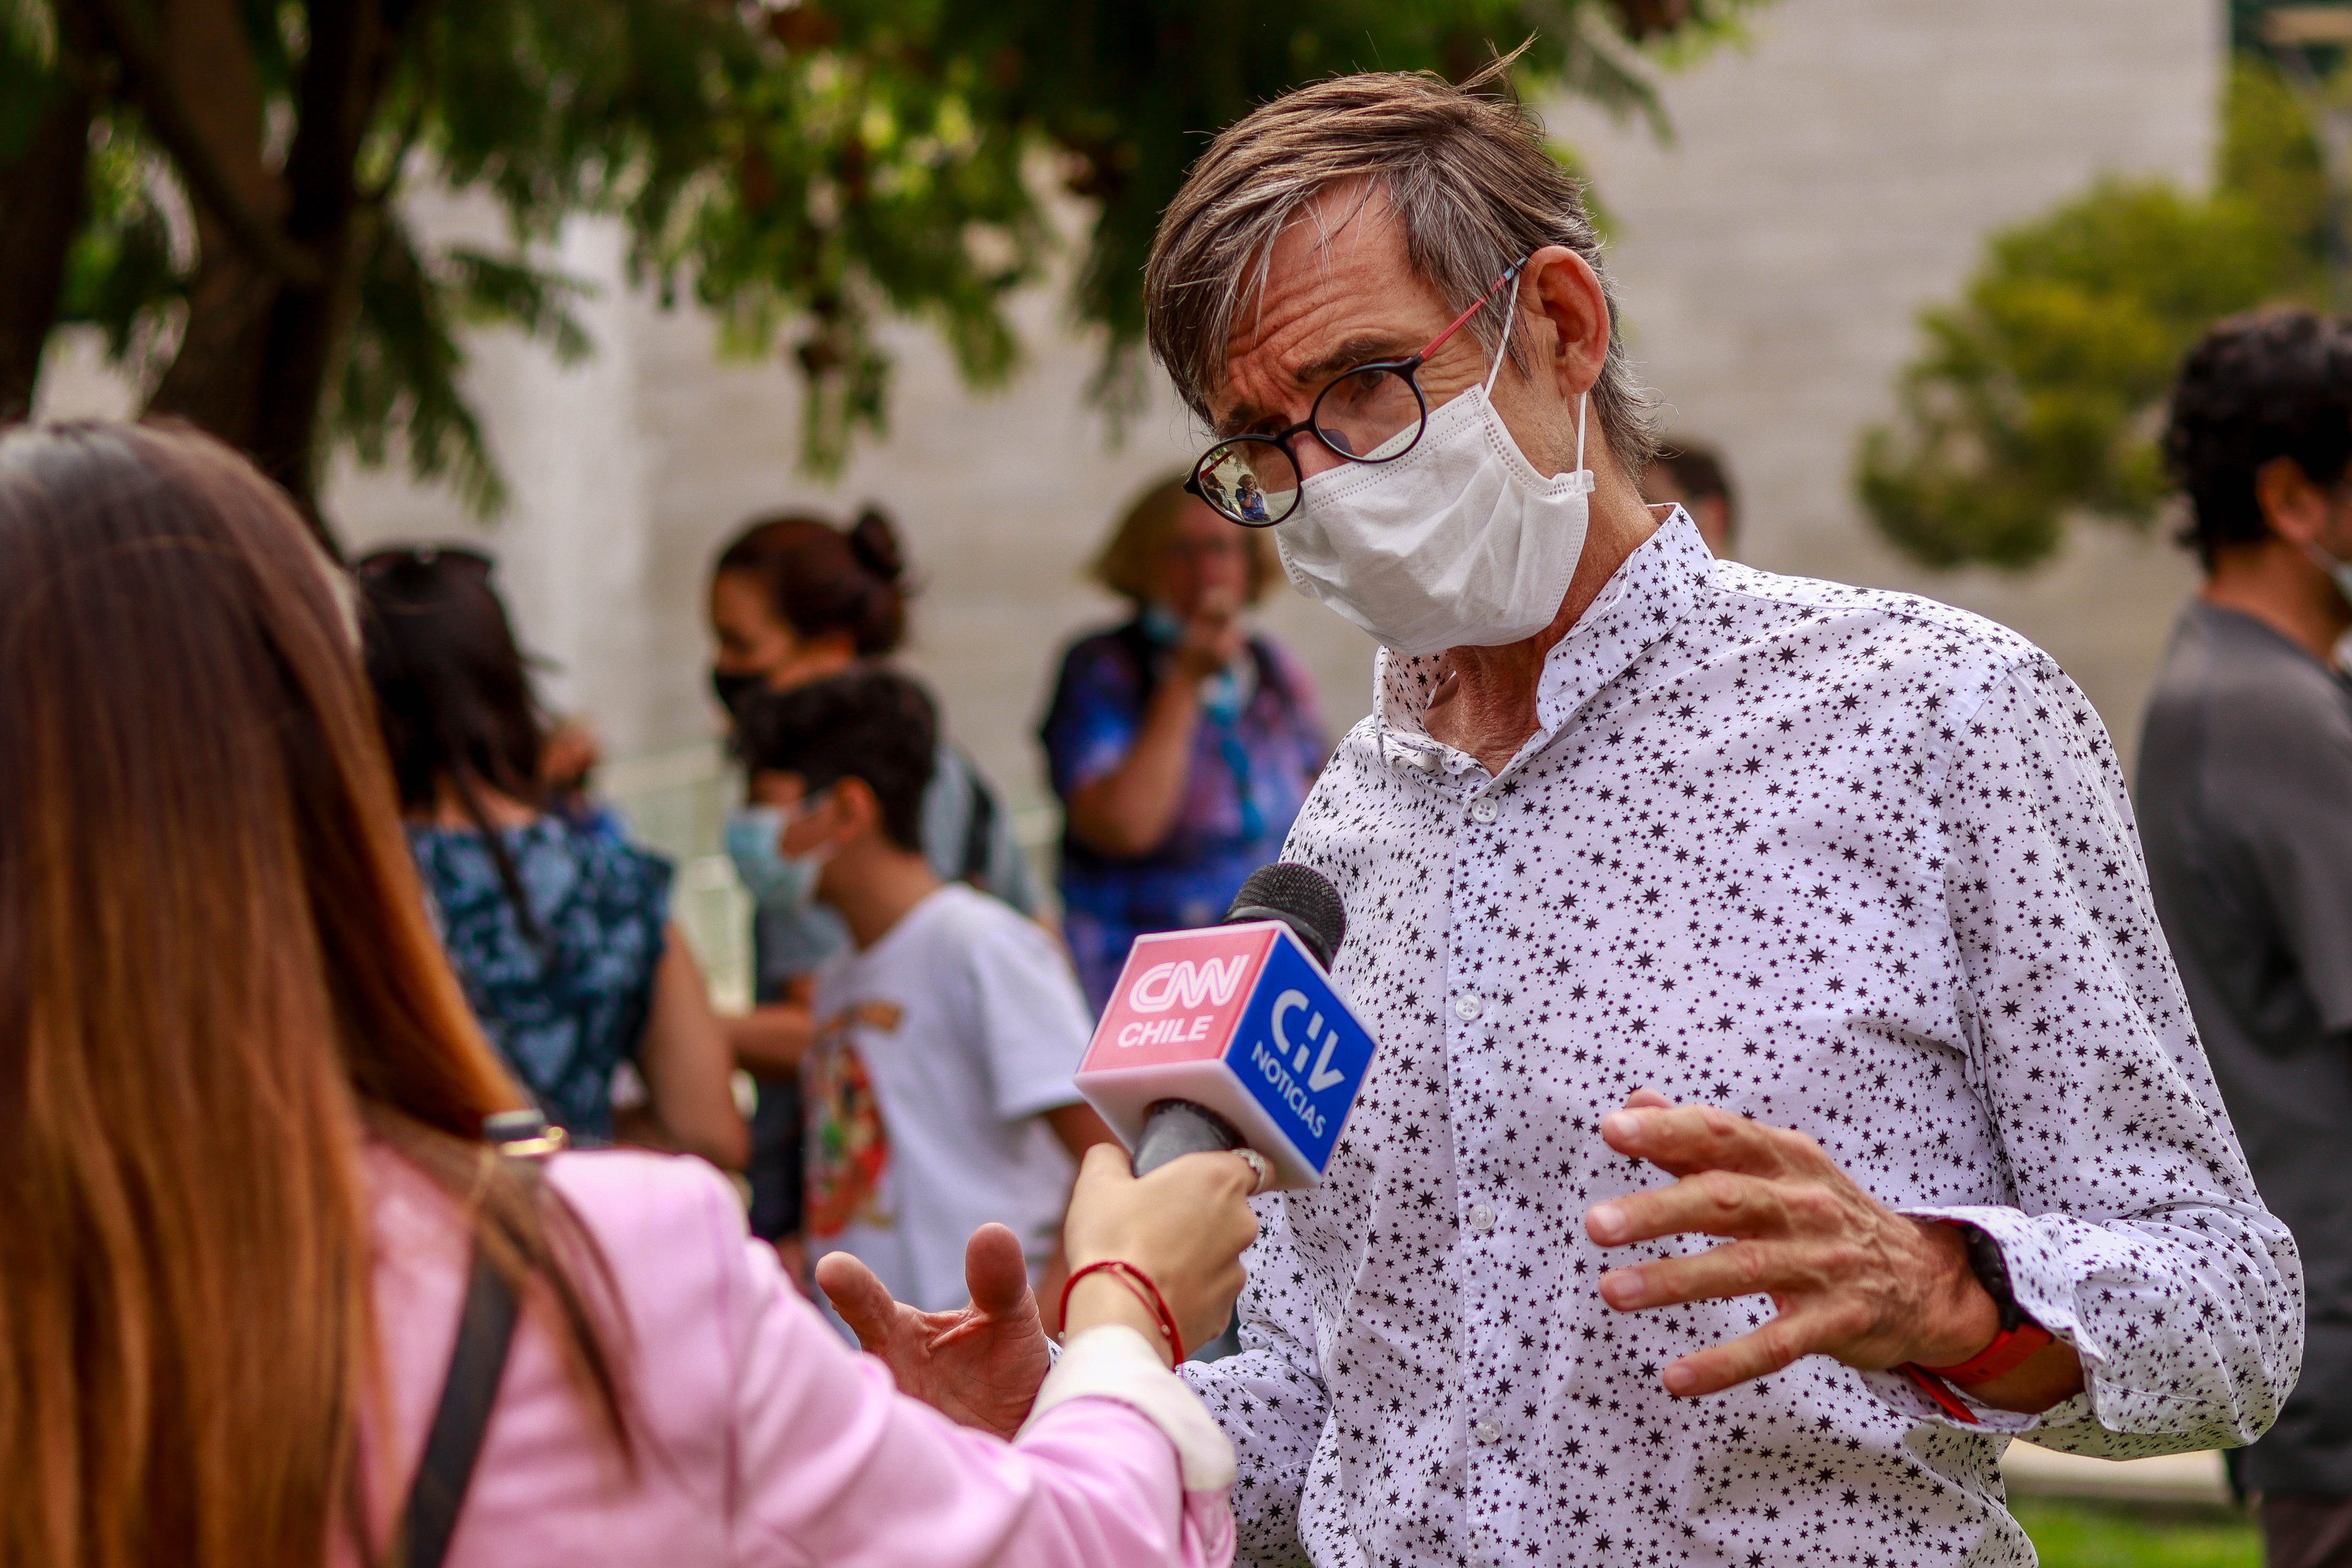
[794,599]
[2245,806]
[1691,474]
[252,1208]
[1181,746]
[937,1087]
[560,934]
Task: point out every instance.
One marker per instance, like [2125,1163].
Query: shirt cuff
[1112,1361]
[2043,1290]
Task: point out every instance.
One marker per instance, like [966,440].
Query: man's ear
[1560,287]
[2295,508]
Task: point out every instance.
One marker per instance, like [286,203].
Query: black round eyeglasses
[1372,414]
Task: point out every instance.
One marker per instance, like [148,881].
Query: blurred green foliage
[2040,393]
[807,169]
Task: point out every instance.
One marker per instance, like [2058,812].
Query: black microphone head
[1299,897]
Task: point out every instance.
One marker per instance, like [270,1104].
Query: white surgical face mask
[1459,544]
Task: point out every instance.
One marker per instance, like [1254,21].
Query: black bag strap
[486,1327]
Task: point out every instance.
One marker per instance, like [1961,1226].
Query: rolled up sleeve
[2136,1234]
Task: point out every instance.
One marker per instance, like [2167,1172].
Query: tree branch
[176,129]
[43,193]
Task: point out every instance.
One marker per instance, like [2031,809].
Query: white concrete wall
[1830,179]
[1823,185]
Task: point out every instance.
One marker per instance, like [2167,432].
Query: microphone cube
[1240,1019]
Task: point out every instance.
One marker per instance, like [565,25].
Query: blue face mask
[1163,625]
[755,842]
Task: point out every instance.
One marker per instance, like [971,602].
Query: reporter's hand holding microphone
[1181,1228]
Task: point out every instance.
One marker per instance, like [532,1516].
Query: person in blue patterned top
[1181,745]
[559,933]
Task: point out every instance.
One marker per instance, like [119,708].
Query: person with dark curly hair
[2245,798]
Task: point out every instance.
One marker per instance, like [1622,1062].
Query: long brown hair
[218,981]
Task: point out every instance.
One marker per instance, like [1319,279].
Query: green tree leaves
[806,170]
[2040,393]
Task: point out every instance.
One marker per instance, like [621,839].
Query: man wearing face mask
[1823,901]
[2245,793]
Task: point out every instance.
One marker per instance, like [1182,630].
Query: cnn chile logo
[1188,984]
[1177,1002]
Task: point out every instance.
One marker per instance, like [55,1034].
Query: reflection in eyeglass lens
[1250,481]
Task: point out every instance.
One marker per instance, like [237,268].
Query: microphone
[1232,1036]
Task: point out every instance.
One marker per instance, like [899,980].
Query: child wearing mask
[937,1090]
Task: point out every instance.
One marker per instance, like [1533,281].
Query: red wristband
[2010,1350]
[1144,1291]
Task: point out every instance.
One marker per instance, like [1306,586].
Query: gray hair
[1468,175]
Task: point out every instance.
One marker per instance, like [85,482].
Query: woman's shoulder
[1098,668]
[621,868]
[649,1202]
[635,1203]
[558,863]
[1113,645]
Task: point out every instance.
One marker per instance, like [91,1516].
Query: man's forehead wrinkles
[1359,348]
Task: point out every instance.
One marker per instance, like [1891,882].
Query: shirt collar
[1653,588]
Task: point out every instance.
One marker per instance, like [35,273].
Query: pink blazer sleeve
[833,1466]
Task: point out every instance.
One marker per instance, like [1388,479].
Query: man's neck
[2279,585]
[874,885]
[1486,703]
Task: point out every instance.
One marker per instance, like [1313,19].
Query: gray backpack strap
[486,1327]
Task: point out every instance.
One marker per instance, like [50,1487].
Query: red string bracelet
[1140,1285]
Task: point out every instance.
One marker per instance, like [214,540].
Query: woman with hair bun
[792,600]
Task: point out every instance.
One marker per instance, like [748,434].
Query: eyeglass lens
[1370,415]
[1250,481]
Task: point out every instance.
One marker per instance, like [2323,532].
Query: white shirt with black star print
[1842,861]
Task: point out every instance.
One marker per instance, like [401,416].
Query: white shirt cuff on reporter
[1112,1361]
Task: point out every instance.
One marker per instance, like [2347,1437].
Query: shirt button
[1482,811]
[1467,1008]
[1487,1431]
[1482,1218]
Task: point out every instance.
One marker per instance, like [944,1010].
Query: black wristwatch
[1992,1270]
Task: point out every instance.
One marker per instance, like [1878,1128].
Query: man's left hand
[1852,1279]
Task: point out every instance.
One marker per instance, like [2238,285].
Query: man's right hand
[980,1365]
